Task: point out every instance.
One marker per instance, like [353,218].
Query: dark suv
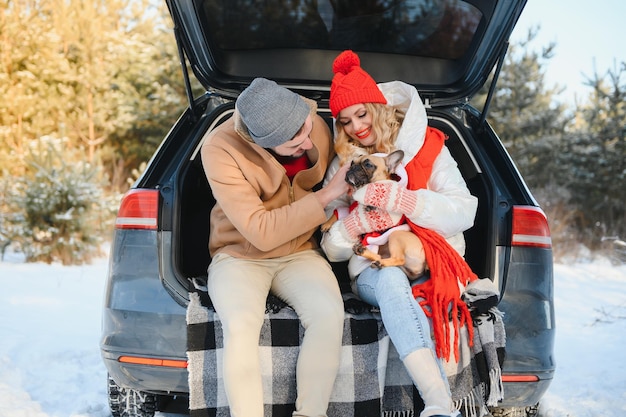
[448,49]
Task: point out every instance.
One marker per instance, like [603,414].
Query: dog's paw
[325,227]
[376,265]
[274,304]
[358,248]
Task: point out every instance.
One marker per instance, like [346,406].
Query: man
[264,166]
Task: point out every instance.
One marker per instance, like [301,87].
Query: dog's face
[371,168]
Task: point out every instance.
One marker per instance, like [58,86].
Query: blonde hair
[386,122]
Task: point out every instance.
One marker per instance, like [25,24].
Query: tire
[530,411]
[125,402]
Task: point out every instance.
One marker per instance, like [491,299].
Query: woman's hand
[389,196]
[363,219]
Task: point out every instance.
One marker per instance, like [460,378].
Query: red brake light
[530,227]
[520,378]
[139,210]
[138,360]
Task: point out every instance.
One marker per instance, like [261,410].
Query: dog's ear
[393,159]
[348,151]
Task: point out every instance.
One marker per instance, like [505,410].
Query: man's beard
[285,158]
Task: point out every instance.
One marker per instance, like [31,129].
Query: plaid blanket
[371,381]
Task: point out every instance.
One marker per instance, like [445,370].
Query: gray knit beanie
[272,114]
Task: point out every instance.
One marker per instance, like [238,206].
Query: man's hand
[335,188]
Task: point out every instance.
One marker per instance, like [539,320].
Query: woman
[437,205]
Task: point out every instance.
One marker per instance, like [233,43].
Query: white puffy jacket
[445,206]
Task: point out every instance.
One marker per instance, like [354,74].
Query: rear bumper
[528,306]
[131,334]
[152,379]
[140,318]
[524,394]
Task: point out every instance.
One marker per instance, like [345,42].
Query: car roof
[445,48]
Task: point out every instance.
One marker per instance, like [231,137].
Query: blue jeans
[406,323]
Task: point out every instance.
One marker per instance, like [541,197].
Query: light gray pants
[238,289]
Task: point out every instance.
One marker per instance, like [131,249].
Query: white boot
[424,370]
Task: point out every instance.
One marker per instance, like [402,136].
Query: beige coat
[259,213]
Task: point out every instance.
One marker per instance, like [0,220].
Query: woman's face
[357,123]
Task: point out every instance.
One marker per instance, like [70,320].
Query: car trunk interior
[191,239]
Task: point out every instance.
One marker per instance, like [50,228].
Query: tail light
[520,378]
[139,210]
[140,360]
[530,227]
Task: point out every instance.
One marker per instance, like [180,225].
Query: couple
[264,166]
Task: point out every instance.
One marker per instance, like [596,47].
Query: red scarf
[440,295]
[294,165]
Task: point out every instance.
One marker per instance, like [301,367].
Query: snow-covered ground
[50,362]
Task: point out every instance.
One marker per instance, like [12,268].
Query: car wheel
[530,411]
[125,402]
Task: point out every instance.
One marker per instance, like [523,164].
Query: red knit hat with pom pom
[351,84]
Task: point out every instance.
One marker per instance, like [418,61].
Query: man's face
[300,143]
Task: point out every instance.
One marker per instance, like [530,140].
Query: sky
[50,363]
[585,33]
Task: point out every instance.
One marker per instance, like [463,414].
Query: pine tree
[56,209]
[597,155]
[525,112]
[29,65]
[104,78]
[104,74]
[532,125]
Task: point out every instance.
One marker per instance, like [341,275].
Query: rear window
[426,28]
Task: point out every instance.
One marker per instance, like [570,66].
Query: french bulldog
[403,249]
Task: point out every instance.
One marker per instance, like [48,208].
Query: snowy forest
[90,88]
